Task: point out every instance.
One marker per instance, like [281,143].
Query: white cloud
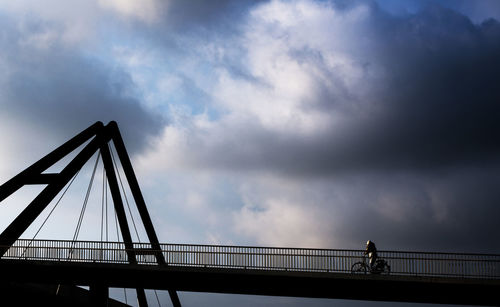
[279,223]
[292,52]
[69,22]
[144,10]
[79,22]
[169,151]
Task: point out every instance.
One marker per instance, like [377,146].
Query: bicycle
[381,267]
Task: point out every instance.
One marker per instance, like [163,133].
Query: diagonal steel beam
[33,210]
[44,163]
[139,200]
[120,214]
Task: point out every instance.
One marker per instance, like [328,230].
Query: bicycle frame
[381,266]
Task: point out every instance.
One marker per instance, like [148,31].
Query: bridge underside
[46,294]
[258,282]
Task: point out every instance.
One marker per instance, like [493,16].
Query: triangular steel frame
[98,137]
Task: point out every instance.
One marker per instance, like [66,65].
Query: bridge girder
[262,282]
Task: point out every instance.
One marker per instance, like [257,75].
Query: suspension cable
[125,294]
[157,299]
[102,200]
[89,188]
[106,209]
[117,230]
[125,196]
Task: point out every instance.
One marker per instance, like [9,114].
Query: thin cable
[50,213]
[102,200]
[82,212]
[117,231]
[106,204]
[157,299]
[77,230]
[125,195]
[125,294]
[104,187]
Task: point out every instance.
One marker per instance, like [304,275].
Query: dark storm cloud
[478,11]
[436,106]
[440,104]
[189,14]
[50,84]
[453,210]
[443,210]
[200,19]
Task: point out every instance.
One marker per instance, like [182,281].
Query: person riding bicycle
[371,250]
[375,266]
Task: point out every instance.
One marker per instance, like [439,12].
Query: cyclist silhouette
[375,266]
[371,251]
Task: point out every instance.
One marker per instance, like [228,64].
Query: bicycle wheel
[358,268]
[387,269]
[382,267]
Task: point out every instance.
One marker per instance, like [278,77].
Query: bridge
[58,266]
[321,273]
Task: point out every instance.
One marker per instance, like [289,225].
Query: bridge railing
[444,264]
[264,258]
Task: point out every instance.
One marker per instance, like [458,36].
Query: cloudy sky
[278,123]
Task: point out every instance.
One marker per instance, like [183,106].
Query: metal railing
[264,258]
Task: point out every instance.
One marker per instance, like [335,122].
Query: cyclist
[371,250]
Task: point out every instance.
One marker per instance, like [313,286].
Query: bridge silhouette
[51,269]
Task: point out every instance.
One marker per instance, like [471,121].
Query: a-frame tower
[98,136]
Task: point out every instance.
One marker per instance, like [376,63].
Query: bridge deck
[414,277]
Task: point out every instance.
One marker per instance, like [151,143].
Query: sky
[276,123]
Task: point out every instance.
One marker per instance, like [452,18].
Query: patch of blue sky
[146,66]
[161,82]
